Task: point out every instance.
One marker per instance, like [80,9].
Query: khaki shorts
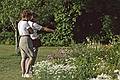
[26,47]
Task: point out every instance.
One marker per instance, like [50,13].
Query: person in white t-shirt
[25,43]
[35,37]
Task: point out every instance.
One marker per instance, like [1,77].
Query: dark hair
[34,14]
[26,13]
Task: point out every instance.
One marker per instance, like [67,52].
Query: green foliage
[106,33]
[62,36]
[45,70]
[65,17]
[64,12]
[7,38]
[85,61]
[11,9]
[93,60]
[10,62]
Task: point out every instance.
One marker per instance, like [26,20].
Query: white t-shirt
[22,28]
[35,28]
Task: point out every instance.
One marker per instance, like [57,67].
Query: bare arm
[47,29]
[30,30]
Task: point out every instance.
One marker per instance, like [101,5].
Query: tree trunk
[14,24]
[16,39]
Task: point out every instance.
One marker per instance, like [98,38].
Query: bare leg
[34,59]
[35,53]
[26,62]
[29,63]
[23,66]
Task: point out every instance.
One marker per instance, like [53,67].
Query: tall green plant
[93,60]
[65,17]
[64,12]
[10,12]
[106,33]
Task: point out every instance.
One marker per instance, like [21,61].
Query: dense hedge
[7,38]
[100,19]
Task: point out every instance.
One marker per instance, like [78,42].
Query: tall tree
[10,12]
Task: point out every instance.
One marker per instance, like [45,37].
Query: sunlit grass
[10,62]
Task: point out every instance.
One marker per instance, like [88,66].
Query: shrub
[7,38]
[95,59]
[46,70]
[84,61]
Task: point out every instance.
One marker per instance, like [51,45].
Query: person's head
[26,14]
[34,16]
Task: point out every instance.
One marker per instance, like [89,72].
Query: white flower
[116,71]
[118,76]
[57,71]
[92,79]
[103,77]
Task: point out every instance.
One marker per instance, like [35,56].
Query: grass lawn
[10,62]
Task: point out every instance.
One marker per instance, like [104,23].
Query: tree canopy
[68,16]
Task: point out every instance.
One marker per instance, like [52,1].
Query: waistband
[24,35]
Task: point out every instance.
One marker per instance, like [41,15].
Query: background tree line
[74,20]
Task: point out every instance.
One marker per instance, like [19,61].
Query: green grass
[10,62]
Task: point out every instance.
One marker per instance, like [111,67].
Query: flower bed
[83,62]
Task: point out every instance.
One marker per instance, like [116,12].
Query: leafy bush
[64,17]
[106,33]
[65,14]
[93,60]
[7,38]
[89,60]
[46,70]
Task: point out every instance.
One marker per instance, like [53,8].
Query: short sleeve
[34,25]
[28,27]
[37,26]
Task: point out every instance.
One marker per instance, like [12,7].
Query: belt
[24,35]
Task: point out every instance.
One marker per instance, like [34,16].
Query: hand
[52,30]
